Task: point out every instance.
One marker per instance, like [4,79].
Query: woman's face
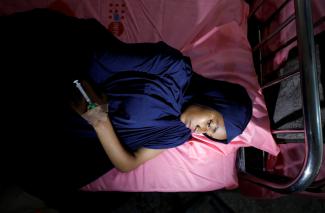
[204,120]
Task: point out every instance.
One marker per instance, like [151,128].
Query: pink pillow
[193,166]
[225,54]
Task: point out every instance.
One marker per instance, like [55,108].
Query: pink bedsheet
[213,34]
[268,7]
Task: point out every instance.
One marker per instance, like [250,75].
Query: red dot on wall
[110,11]
[123,11]
[110,17]
[111,5]
[116,5]
[122,17]
[116,11]
[123,5]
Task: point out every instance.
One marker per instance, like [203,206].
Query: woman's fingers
[96,115]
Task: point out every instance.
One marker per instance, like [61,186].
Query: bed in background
[213,33]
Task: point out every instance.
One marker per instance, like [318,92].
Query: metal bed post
[310,92]
[311,107]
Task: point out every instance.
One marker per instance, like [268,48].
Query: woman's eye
[209,123]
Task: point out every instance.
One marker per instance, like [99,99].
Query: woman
[154,99]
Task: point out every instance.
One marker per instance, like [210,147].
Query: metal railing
[311,106]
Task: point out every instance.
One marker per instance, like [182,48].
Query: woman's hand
[123,160]
[97,115]
[92,116]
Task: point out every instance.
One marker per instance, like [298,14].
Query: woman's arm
[123,160]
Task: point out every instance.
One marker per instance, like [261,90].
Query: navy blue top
[149,84]
[145,85]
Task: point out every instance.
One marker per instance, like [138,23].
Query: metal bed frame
[310,95]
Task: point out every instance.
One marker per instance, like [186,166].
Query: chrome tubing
[311,108]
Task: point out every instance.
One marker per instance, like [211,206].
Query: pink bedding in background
[267,8]
[213,34]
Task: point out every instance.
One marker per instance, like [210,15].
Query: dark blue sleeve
[153,58]
[169,137]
